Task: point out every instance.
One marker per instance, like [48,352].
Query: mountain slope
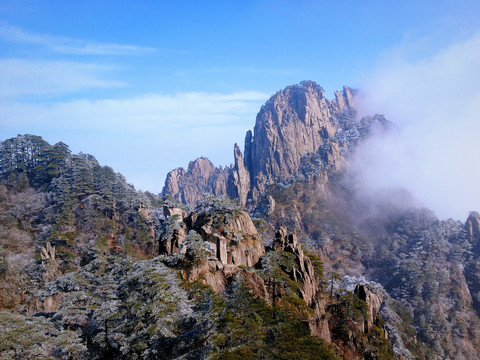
[299,175]
[95,269]
[81,276]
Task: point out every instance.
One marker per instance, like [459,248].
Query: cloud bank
[435,102]
[20,77]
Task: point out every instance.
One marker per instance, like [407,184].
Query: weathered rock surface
[236,242]
[173,238]
[232,242]
[293,123]
[201,177]
[239,185]
[304,273]
[374,301]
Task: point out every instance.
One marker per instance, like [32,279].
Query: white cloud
[139,113]
[435,102]
[66,45]
[143,137]
[29,77]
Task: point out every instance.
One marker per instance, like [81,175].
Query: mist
[435,104]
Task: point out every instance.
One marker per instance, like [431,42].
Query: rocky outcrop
[230,239]
[239,185]
[174,231]
[304,273]
[235,242]
[374,301]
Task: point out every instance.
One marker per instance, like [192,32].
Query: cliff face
[295,122]
[297,127]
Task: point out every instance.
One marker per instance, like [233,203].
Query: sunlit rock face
[201,177]
[225,241]
[295,122]
[472,227]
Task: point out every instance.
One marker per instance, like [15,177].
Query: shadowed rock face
[232,241]
[374,301]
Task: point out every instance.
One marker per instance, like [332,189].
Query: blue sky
[146,86]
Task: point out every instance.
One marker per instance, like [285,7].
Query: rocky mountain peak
[240,178]
[295,125]
[201,167]
[200,178]
[344,100]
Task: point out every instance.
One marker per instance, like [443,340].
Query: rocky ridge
[297,131]
[220,245]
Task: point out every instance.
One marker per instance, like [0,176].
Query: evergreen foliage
[248,328]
